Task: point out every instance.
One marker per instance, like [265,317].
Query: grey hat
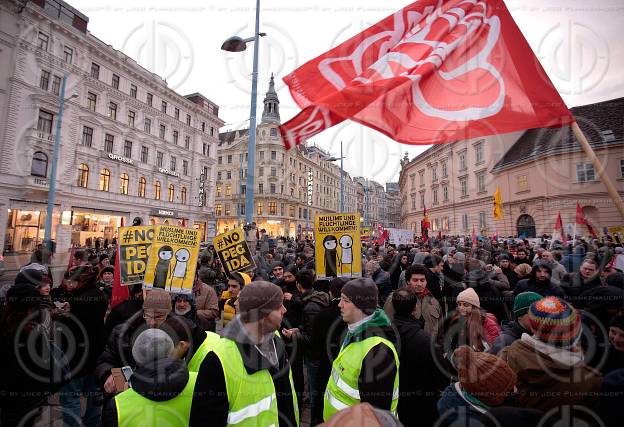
[459,256]
[151,345]
[363,293]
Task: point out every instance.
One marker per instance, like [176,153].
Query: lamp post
[237,44]
[366,204]
[341,158]
[47,239]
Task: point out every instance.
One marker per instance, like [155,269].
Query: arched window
[183,195]
[104,179]
[157,190]
[124,182]
[171,192]
[142,183]
[83,175]
[39,165]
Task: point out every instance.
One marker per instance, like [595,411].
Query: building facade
[541,172]
[393,205]
[130,146]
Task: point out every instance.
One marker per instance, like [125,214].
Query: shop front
[89,226]
[25,228]
[167,217]
[225,225]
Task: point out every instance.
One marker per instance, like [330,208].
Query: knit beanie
[470,296]
[483,375]
[32,277]
[363,293]
[157,299]
[258,299]
[22,297]
[555,322]
[523,301]
[152,344]
[617,322]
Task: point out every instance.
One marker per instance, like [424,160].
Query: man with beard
[539,282]
[508,270]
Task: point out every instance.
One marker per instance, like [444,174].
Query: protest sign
[338,246]
[234,252]
[134,250]
[399,236]
[173,259]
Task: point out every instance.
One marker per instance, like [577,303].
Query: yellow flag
[498,204]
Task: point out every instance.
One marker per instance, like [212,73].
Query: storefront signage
[202,191]
[164,212]
[169,172]
[120,158]
[310,187]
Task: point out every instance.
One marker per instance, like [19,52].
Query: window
[142,184]
[162,131]
[219,176]
[413,203]
[220,160]
[261,155]
[187,144]
[218,209]
[445,193]
[482,225]
[273,132]
[95,71]
[422,178]
[183,196]
[218,191]
[163,107]
[463,184]
[147,125]
[108,143]
[175,137]
[128,149]
[172,163]
[465,222]
[42,41]
[273,172]
[434,173]
[39,166]
[622,168]
[607,135]
[157,190]
[112,110]
[203,126]
[56,85]
[159,159]
[229,158]
[204,146]
[83,175]
[272,188]
[211,131]
[104,179]
[422,200]
[272,208]
[462,161]
[171,192]
[176,113]
[188,119]
[444,170]
[273,155]
[131,118]
[260,171]
[481,182]
[133,90]
[44,123]
[91,101]
[228,190]
[523,183]
[229,174]
[585,172]
[149,99]
[479,153]
[115,81]
[260,188]
[44,81]
[87,136]
[68,54]
[435,197]
[124,181]
[259,208]
[243,189]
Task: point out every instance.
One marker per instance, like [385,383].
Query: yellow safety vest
[206,346]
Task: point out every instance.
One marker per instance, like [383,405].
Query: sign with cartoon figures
[173,259]
[134,250]
[233,251]
[338,246]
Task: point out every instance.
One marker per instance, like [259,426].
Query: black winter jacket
[510,332]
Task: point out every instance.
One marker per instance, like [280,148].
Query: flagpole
[602,173]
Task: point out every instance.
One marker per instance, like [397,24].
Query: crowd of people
[506,332]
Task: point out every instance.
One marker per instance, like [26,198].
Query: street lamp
[333,159]
[238,44]
[47,237]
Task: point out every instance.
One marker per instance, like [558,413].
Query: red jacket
[492,330]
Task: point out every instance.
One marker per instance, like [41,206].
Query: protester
[105,281]
[508,270]
[513,330]
[587,277]
[615,351]
[523,271]
[539,282]
[236,283]
[381,279]
[206,303]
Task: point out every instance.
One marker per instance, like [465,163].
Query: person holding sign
[235,284]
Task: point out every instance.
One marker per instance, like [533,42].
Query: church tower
[270,114]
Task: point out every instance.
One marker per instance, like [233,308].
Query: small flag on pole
[498,204]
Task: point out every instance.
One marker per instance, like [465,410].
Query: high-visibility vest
[206,346]
[342,388]
[136,410]
[251,397]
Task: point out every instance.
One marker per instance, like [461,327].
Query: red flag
[581,220]
[474,237]
[424,225]
[559,224]
[431,73]
[120,293]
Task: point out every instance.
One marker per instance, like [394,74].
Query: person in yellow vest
[367,367]
[245,380]
[161,387]
[236,283]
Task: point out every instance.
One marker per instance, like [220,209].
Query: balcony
[40,135]
[37,182]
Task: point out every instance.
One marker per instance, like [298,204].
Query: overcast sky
[579,44]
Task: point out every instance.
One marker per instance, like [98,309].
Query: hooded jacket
[549,376]
[313,302]
[210,401]
[158,380]
[545,289]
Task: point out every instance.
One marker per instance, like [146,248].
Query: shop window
[124,182]
[183,195]
[104,179]
[259,208]
[142,184]
[157,190]
[39,166]
[218,209]
[171,192]
[83,175]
